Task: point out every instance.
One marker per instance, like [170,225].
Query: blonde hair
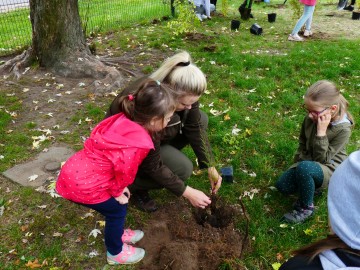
[181,74]
[326,94]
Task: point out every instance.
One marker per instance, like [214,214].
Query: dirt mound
[175,240]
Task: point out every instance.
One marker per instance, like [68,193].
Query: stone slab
[44,166]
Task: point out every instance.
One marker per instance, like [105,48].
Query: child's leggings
[304,179]
[306,19]
[115,214]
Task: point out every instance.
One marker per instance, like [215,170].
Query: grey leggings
[304,179]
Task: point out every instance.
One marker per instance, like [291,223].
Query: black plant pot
[271,17]
[245,13]
[227,174]
[256,29]
[356,15]
[235,24]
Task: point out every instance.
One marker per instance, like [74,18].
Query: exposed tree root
[14,65]
[76,65]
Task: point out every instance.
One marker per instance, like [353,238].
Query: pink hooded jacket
[107,164]
[308,2]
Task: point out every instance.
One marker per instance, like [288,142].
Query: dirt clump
[175,240]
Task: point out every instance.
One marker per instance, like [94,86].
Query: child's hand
[124,197]
[323,122]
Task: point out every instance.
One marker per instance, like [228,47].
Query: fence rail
[96,16]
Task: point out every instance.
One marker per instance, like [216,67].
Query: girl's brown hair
[331,242]
[149,100]
[325,93]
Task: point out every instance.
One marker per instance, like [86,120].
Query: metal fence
[96,16]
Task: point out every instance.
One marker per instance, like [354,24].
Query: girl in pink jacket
[98,175]
[306,18]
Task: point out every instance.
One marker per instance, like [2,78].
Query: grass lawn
[255,83]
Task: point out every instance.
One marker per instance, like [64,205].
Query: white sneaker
[203,16]
[295,37]
[307,33]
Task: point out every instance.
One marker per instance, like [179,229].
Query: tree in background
[58,43]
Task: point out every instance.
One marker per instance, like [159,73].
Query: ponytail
[179,72]
[148,100]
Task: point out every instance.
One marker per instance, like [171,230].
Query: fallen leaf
[276,266]
[94,233]
[33,177]
[34,264]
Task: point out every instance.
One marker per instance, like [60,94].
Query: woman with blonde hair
[166,166]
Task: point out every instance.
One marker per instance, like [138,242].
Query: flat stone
[35,172]
[53,166]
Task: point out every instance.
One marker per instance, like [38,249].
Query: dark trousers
[303,179]
[114,214]
[173,158]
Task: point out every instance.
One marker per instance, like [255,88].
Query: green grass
[97,16]
[276,71]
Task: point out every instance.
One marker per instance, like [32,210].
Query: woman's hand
[124,197]
[215,179]
[196,197]
[323,122]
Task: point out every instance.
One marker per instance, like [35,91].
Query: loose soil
[175,240]
[176,237]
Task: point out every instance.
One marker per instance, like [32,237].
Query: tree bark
[58,43]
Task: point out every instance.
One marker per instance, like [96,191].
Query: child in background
[98,175]
[324,135]
[203,8]
[306,18]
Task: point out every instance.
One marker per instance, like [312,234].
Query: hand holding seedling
[124,197]
[196,197]
[215,179]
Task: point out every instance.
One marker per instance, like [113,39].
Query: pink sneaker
[132,236]
[128,255]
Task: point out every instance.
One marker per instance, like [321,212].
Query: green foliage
[235,141]
[296,8]
[186,20]
[225,7]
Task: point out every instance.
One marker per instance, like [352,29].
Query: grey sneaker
[307,33]
[295,37]
[298,215]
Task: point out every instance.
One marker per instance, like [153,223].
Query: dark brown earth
[175,240]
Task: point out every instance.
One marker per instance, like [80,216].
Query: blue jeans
[115,214]
[306,19]
[304,179]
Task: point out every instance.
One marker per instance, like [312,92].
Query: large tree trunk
[58,42]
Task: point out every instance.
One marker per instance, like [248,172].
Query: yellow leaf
[101,223]
[226,117]
[308,232]
[276,266]
[34,264]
